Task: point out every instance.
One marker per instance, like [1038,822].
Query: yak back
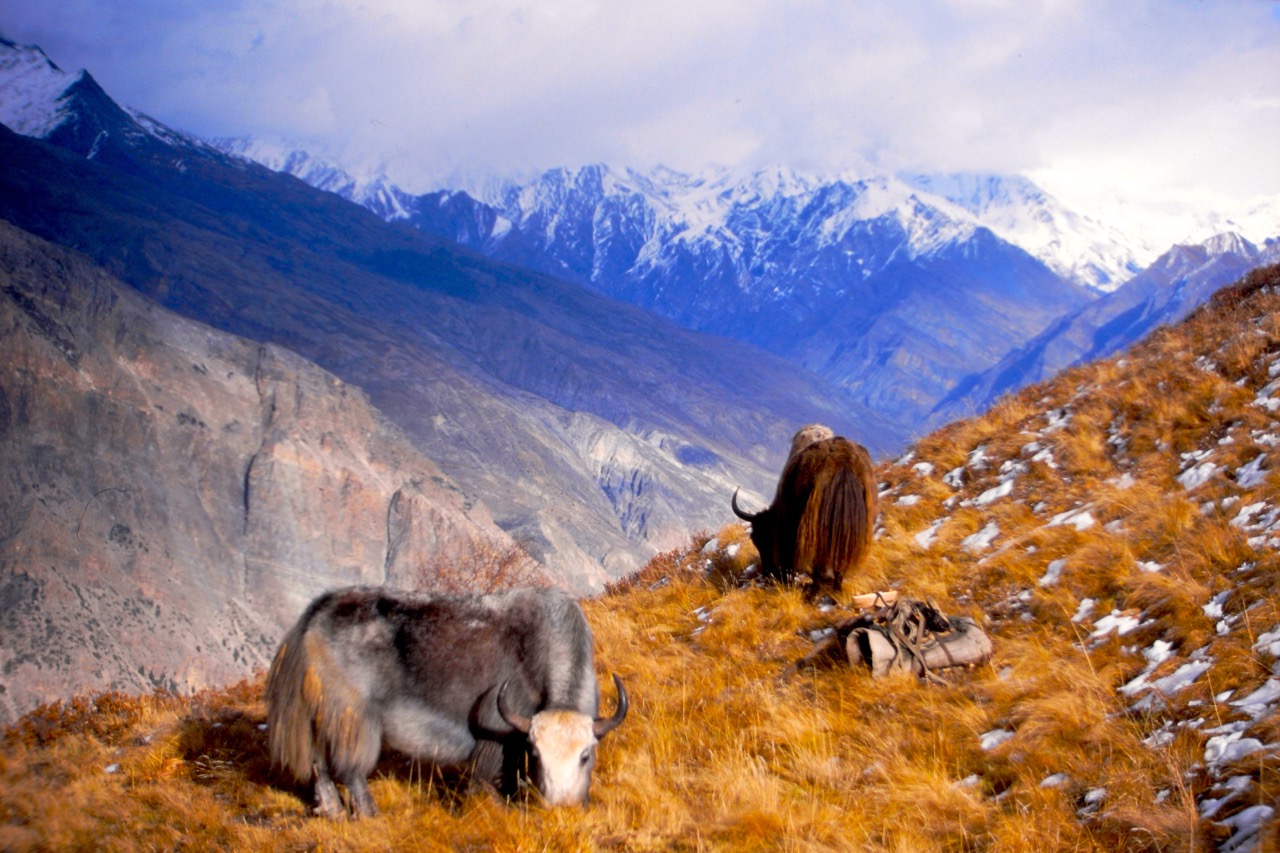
[448,651]
[825,510]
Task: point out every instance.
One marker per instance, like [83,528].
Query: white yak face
[563,744]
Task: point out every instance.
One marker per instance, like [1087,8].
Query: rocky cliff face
[172,496]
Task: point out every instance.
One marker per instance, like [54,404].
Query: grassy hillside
[1113,530]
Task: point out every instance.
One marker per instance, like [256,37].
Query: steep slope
[171,495]
[1176,283]
[593,431]
[1115,530]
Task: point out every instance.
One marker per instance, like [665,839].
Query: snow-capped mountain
[371,189]
[34,102]
[883,288]
[1019,212]
[851,277]
[934,210]
[898,288]
[1178,282]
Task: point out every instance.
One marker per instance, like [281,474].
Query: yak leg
[328,803]
[361,801]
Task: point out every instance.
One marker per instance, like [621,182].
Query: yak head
[764,536]
[562,747]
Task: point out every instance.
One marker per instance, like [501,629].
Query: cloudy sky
[1153,104]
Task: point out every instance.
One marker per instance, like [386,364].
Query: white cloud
[1163,101]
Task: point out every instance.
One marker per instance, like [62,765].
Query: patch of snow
[1056,780]
[1253,474]
[990,740]
[1084,610]
[1124,481]
[995,493]
[978,459]
[908,500]
[1214,608]
[1247,826]
[1269,642]
[1229,790]
[1229,748]
[1149,566]
[1159,652]
[982,539]
[1197,475]
[1080,519]
[1093,800]
[1052,573]
[1264,400]
[1121,623]
[1182,677]
[924,469]
[925,537]
[1058,419]
[1260,701]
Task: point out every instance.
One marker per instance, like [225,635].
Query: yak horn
[603,725]
[737,510]
[516,721]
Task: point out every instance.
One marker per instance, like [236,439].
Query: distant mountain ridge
[889,293]
[855,279]
[850,278]
[595,433]
[1167,291]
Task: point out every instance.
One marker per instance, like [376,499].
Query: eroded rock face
[171,496]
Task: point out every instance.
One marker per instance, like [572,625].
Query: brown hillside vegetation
[1115,530]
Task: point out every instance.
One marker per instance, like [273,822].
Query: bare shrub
[662,567]
[484,567]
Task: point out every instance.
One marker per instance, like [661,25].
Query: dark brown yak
[821,518]
[486,682]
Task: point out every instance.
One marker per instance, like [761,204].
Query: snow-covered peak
[369,186]
[1258,222]
[1019,212]
[1229,243]
[32,90]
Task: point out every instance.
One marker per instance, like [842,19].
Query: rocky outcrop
[172,496]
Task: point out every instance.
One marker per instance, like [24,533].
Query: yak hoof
[328,803]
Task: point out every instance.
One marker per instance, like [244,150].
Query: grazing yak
[482,682]
[822,515]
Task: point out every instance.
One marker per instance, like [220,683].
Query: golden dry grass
[1038,750]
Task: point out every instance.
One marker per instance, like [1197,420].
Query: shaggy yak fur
[480,682]
[821,519]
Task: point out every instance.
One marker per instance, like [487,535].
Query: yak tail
[317,719]
[836,525]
